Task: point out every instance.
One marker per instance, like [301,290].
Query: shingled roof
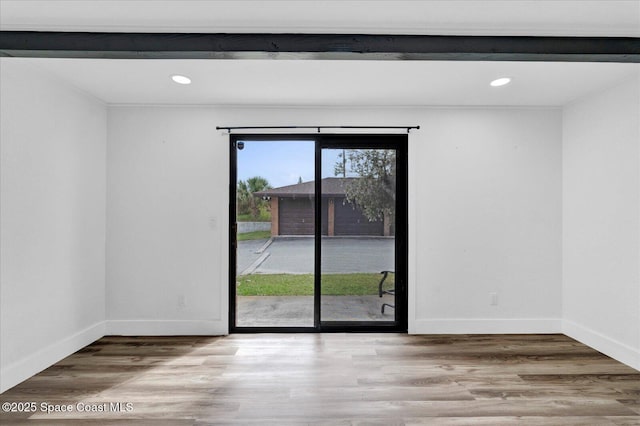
[333,186]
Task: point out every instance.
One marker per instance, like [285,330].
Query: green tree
[247,203]
[374,190]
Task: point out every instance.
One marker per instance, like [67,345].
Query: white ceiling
[323,82]
[333,83]
[476,17]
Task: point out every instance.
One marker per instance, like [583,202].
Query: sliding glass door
[319,233]
[358,251]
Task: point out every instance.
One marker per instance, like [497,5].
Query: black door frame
[398,142]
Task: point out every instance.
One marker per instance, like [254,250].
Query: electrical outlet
[182,301]
[493,299]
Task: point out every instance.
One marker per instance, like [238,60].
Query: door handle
[234,240]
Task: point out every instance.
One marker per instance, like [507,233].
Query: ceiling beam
[317,46]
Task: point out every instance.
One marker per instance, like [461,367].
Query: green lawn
[302,285]
[255,235]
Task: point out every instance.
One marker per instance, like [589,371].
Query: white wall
[601,221]
[167,202]
[52,257]
[487,194]
[485,202]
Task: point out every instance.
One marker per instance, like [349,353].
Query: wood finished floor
[341,379]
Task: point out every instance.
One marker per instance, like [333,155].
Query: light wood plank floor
[341,379]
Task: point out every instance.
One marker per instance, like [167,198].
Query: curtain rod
[229,129]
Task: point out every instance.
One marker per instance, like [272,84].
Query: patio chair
[381,292]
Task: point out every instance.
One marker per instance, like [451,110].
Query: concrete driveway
[294,255]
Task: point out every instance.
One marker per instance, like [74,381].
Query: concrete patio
[297,311]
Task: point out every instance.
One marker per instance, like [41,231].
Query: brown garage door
[296,216]
[350,221]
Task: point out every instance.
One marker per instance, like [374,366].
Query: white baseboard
[608,346]
[166,328]
[21,370]
[486,326]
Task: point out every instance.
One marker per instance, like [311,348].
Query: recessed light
[500,81]
[181,79]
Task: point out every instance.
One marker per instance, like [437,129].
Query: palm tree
[257,183]
[247,203]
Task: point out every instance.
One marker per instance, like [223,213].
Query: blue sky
[283,162]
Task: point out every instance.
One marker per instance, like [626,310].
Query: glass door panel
[358,246]
[275,220]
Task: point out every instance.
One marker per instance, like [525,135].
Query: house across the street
[292,211]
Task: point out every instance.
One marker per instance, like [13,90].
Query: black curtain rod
[229,129]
